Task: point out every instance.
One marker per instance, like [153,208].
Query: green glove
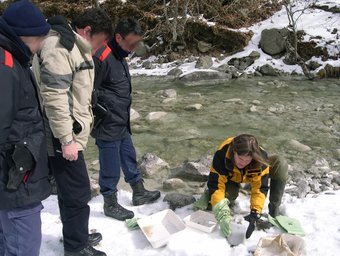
[132,223]
[203,202]
[223,216]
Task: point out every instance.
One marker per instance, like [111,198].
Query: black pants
[73,195]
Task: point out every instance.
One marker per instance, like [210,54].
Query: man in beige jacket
[65,74]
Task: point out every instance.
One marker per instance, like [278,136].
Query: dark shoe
[114,210]
[94,239]
[277,188]
[142,196]
[87,251]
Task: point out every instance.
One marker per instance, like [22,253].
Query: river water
[291,108]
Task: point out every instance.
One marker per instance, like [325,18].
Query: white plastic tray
[201,220]
[159,227]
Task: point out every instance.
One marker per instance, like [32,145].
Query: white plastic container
[238,233]
[201,220]
[159,227]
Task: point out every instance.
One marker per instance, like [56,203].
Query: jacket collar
[12,43]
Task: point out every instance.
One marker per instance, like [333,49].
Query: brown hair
[246,144]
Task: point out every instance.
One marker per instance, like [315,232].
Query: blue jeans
[114,156]
[20,231]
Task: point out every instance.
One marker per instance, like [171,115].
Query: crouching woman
[241,160]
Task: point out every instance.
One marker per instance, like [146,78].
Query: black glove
[252,218]
[23,161]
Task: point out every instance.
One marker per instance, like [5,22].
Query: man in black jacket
[23,156]
[112,102]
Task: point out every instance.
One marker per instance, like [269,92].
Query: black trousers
[74,193]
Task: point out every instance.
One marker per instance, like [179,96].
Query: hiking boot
[87,251]
[114,210]
[142,196]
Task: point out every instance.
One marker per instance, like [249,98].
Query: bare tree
[176,16]
[295,9]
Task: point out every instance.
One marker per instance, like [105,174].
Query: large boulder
[142,50]
[151,165]
[204,62]
[205,78]
[273,41]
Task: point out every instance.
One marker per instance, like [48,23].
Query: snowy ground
[319,215]
[314,22]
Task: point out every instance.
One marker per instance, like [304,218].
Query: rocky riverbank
[177,129]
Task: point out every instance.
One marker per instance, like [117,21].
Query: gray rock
[134,115]
[301,189]
[170,93]
[297,175]
[142,50]
[273,41]
[232,100]
[253,109]
[254,55]
[256,102]
[326,182]
[336,180]
[174,183]
[205,78]
[147,65]
[151,164]
[296,145]
[315,186]
[321,163]
[204,62]
[95,189]
[280,84]
[313,65]
[193,107]
[154,116]
[204,47]
[257,73]
[241,63]
[223,68]
[197,170]
[261,83]
[195,95]
[178,200]
[268,70]
[176,72]
[337,154]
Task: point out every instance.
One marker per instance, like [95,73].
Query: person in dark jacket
[112,130]
[23,155]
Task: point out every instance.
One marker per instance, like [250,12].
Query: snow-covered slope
[315,22]
[319,215]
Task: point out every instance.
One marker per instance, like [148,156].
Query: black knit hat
[26,19]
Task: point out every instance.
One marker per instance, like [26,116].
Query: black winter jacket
[20,122]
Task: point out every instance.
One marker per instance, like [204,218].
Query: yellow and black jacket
[223,170]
